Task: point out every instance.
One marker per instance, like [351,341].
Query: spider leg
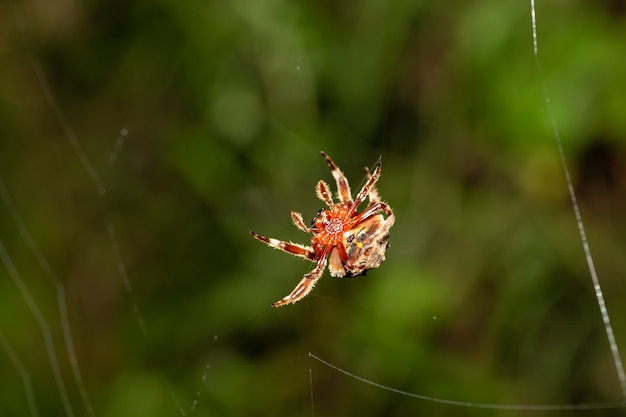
[343,188]
[291,248]
[298,221]
[307,283]
[371,211]
[323,193]
[371,181]
[373,193]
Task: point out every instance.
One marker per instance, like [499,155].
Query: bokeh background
[140,141]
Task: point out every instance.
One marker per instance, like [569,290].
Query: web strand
[619,367]
[52,102]
[43,324]
[92,173]
[308,327]
[78,150]
[121,268]
[518,407]
[28,386]
[60,291]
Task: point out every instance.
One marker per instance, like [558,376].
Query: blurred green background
[140,141]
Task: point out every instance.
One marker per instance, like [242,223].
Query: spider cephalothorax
[350,242]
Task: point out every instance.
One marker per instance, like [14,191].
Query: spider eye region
[320,211]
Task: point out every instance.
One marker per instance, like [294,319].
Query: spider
[351,242]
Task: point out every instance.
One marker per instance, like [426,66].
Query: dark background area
[140,141]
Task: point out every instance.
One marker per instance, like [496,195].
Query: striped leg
[291,248]
[305,286]
[343,188]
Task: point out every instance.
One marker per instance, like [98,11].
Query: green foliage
[485,296]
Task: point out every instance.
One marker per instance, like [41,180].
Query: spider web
[130,286]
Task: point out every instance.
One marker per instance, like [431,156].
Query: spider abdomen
[366,246]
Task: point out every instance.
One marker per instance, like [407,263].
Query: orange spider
[351,242]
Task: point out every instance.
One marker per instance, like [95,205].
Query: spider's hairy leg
[307,283]
[298,221]
[372,210]
[337,260]
[343,188]
[373,193]
[371,182]
[291,248]
[322,190]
